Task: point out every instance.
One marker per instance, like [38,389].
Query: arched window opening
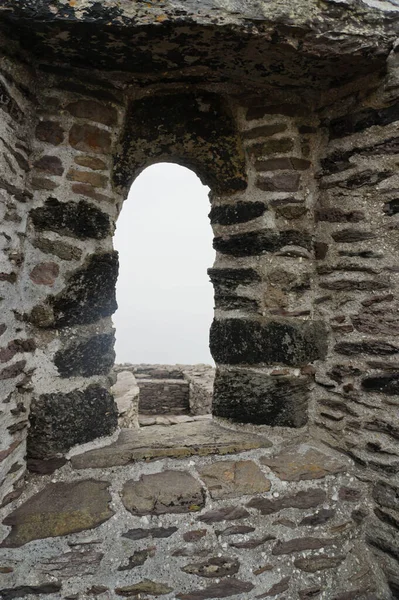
[165,298]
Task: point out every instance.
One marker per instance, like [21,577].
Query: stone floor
[192,511]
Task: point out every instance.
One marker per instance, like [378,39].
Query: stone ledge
[199,438]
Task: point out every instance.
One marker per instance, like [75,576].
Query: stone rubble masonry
[295,132]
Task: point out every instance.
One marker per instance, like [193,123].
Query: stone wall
[292,123]
[16,344]
[173,389]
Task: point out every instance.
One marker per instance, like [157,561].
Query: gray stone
[213,567]
[287,342]
[300,544]
[303,462]
[228,479]
[320,562]
[178,441]
[224,589]
[165,492]
[303,499]
[59,509]
[60,421]
[249,395]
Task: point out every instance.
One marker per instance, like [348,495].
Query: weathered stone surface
[319,562]
[384,384]
[57,248]
[144,587]
[303,462]
[97,180]
[287,342]
[89,293]
[318,518]
[359,121]
[180,441]
[213,567]
[27,590]
[300,544]
[277,588]
[264,131]
[59,421]
[309,593]
[93,356]
[338,215]
[231,278]
[229,214]
[154,532]
[386,495]
[16,347]
[91,162]
[254,243]
[94,111]
[45,273]
[42,183]
[228,479]
[252,396]
[280,145]
[235,530]
[75,563]
[49,164]
[59,509]
[81,220]
[304,499]
[13,370]
[372,347]
[165,492]
[224,589]
[50,132]
[226,513]
[89,138]
[284,163]
[194,535]
[197,127]
[348,494]
[138,558]
[253,543]
[349,236]
[45,467]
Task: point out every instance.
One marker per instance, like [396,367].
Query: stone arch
[194,129]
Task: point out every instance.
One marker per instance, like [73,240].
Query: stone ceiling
[321,44]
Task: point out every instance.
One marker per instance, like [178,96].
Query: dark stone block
[392,207]
[252,397]
[386,495]
[49,164]
[27,590]
[195,128]
[155,532]
[280,182]
[230,302]
[59,421]
[89,294]
[363,120]
[304,499]
[231,278]
[81,220]
[349,236]
[225,588]
[386,384]
[94,356]
[241,212]
[254,243]
[235,341]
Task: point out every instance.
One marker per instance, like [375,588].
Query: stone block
[59,509]
[303,462]
[62,420]
[50,132]
[89,293]
[81,220]
[126,393]
[94,111]
[93,356]
[89,138]
[253,243]
[230,479]
[251,396]
[165,492]
[287,342]
[241,212]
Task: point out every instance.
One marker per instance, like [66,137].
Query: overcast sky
[164,240]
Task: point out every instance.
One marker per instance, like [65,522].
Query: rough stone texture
[303,462]
[186,439]
[229,479]
[59,509]
[90,357]
[249,395]
[58,421]
[234,341]
[126,393]
[293,110]
[167,492]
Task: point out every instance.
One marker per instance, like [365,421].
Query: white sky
[165,298]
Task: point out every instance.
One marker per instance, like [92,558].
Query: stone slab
[303,462]
[230,479]
[199,438]
[59,509]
